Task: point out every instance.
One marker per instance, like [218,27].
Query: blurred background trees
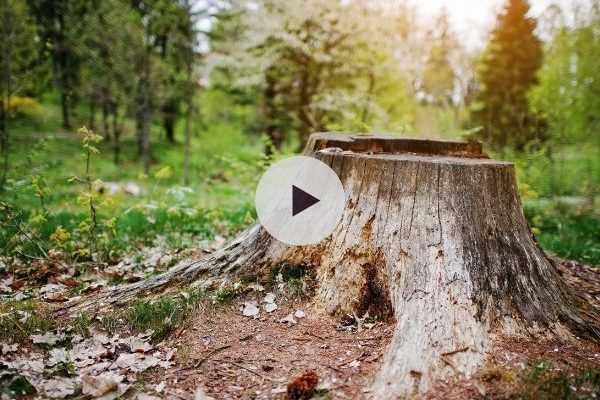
[199,91]
[506,72]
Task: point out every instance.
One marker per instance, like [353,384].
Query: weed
[567,232]
[81,325]
[225,295]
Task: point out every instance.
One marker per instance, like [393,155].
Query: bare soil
[236,357]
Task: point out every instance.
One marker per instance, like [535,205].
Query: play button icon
[299,200]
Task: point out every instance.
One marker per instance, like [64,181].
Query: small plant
[81,325]
[225,295]
[88,197]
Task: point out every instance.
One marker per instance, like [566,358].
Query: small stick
[248,369]
[209,355]
[449,353]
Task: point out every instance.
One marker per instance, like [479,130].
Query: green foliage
[566,232]
[506,72]
[226,295]
[81,325]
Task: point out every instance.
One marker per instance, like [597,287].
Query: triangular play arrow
[301,200]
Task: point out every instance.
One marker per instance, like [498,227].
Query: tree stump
[433,237]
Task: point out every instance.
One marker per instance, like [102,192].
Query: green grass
[162,315]
[21,319]
[543,382]
[565,231]
[225,165]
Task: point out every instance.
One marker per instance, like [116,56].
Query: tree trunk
[269,110]
[432,237]
[116,128]
[105,122]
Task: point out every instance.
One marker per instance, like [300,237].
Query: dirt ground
[233,356]
[236,357]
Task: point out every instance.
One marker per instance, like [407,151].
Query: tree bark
[433,238]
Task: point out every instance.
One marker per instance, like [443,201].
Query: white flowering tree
[331,64]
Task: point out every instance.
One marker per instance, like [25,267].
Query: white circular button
[300,200]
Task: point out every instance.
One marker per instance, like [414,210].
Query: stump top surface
[387,144]
[412,157]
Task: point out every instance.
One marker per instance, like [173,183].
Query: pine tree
[507,70]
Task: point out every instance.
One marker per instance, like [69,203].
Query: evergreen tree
[507,70]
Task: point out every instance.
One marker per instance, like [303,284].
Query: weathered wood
[433,237]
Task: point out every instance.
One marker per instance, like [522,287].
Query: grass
[21,319]
[543,382]
[162,315]
[566,231]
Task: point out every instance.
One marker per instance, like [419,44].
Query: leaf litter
[99,366]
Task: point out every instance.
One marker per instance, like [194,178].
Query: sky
[473,19]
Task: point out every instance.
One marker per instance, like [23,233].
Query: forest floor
[254,342]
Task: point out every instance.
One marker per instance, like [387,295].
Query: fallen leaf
[102,384]
[137,362]
[8,348]
[303,387]
[48,338]
[56,356]
[288,319]
[145,396]
[138,345]
[160,387]
[249,309]
[269,298]
[59,388]
[270,307]
[200,394]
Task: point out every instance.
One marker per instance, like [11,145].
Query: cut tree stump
[433,237]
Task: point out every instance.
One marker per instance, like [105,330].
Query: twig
[247,369]
[203,359]
[446,357]
[315,335]
[449,353]
[355,339]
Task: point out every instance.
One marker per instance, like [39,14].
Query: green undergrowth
[542,381]
[567,231]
